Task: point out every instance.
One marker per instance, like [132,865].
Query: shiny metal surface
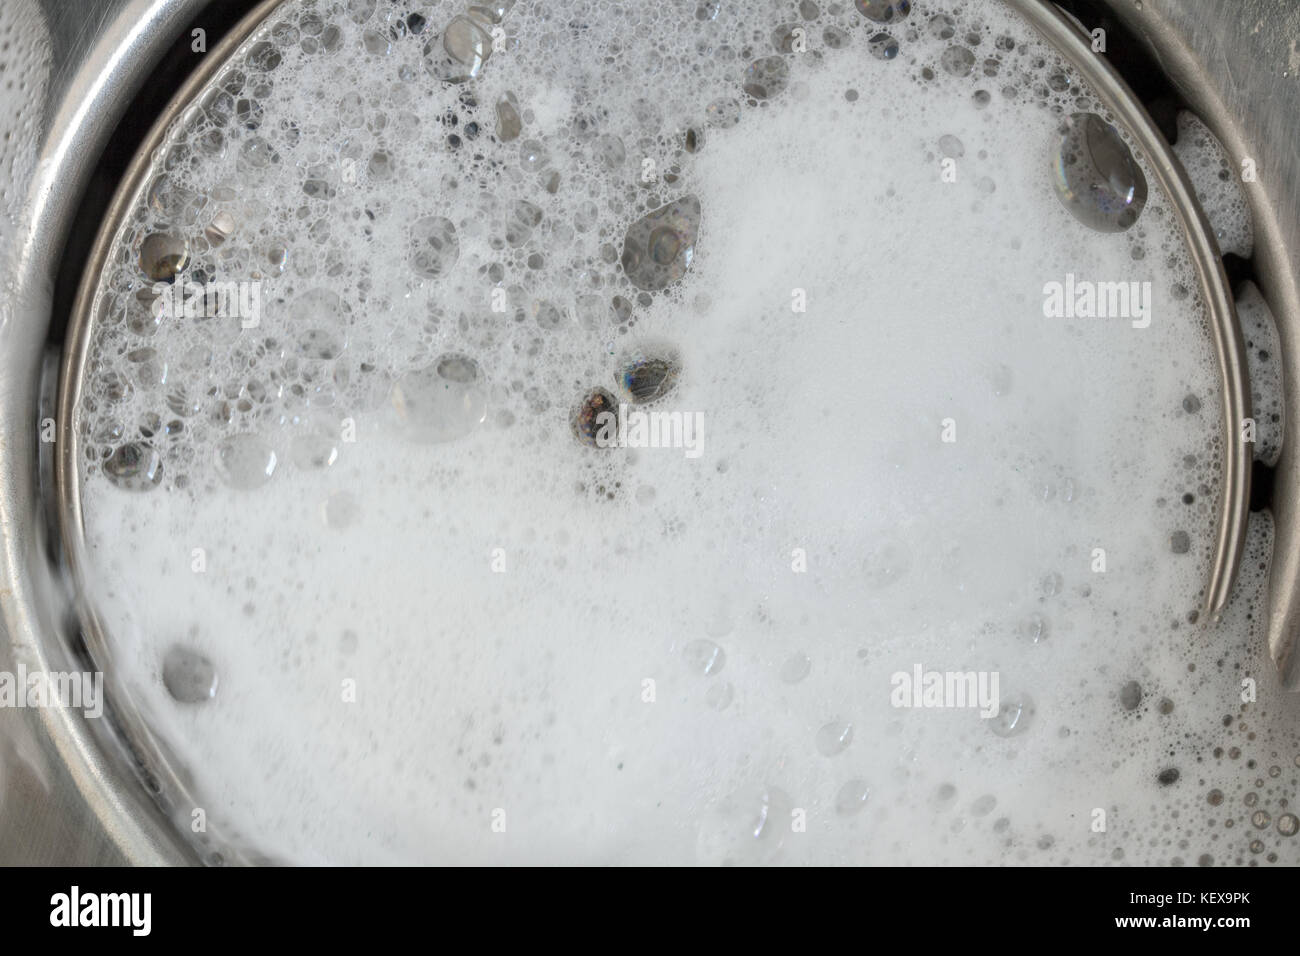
[170,782]
[64,795]
[1229,348]
[1238,65]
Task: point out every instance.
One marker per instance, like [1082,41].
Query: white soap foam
[1264,358]
[1217,180]
[616,653]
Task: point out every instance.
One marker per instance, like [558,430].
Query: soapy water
[378,587]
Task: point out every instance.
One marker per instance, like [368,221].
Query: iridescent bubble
[593,420]
[443,401]
[1096,177]
[649,374]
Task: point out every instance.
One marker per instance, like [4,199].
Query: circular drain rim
[161,774]
[166,780]
[1229,345]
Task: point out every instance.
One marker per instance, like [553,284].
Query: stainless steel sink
[70,791]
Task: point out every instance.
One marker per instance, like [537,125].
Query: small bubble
[1097,178]
[245,462]
[1013,717]
[442,402]
[704,657]
[957,61]
[509,125]
[852,797]
[1130,695]
[649,375]
[163,255]
[883,11]
[1035,628]
[720,696]
[134,467]
[659,247]
[951,146]
[188,676]
[796,668]
[834,738]
[461,52]
[883,46]
[593,420]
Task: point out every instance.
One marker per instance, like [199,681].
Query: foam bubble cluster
[1218,184]
[408,583]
